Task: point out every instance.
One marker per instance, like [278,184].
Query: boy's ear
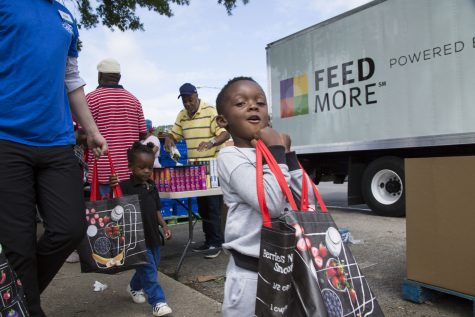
[221,121]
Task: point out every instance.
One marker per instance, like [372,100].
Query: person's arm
[215,141]
[80,110]
[77,99]
[156,144]
[169,142]
[166,231]
[155,149]
[175,135]
[72,80]
[220,136]
[161,221]
[113,181]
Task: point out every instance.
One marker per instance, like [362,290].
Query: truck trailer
[362,91]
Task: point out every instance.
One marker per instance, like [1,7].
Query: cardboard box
[440,222]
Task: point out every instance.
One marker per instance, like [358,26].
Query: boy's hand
[113,180]
[167,233]
[269,136]
[286,141]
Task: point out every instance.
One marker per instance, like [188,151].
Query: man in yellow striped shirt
[196,124]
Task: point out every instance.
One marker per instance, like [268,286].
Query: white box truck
[389,80]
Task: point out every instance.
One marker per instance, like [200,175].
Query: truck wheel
[383,186]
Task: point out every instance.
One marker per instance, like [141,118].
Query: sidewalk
[71,294]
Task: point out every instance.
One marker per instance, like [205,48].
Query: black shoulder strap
[245,261]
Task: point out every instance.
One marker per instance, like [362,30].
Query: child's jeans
[104,190]
[146,278]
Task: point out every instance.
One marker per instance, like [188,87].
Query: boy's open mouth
[254,119]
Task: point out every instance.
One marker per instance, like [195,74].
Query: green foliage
[230,4]
[121,14]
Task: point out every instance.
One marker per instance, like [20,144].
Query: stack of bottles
[181,178]
[198,175]
[211,172]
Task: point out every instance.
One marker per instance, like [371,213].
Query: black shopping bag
[274,284]
[114,239]
[326,280]
[275,295]
[12,298]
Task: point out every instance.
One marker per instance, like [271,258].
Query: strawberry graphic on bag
[3,278]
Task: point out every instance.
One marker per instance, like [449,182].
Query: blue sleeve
[73,47]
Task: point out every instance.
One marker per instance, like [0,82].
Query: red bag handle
[260,190]
[304,198]
[86,155]
[95,194]
[275,168]
[116,189]
[261,150]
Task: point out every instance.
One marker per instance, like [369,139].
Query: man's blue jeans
[146,278]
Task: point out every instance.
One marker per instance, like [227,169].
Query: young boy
[242,110]
[140,158]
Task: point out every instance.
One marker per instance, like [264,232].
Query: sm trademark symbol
[381,84]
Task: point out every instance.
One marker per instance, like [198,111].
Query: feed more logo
[294,96]
[335,86]
[346,85]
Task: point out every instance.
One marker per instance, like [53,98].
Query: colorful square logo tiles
[294,96]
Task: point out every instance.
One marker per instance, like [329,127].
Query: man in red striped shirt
[119,117]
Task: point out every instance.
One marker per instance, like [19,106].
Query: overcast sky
[200,44]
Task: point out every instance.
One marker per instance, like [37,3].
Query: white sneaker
[73,257]
[161,309]
[137,296]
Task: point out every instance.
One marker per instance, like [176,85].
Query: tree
[121,13]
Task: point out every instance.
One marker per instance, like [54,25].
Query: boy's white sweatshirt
[237,177]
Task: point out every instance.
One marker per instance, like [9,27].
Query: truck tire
[383,186]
